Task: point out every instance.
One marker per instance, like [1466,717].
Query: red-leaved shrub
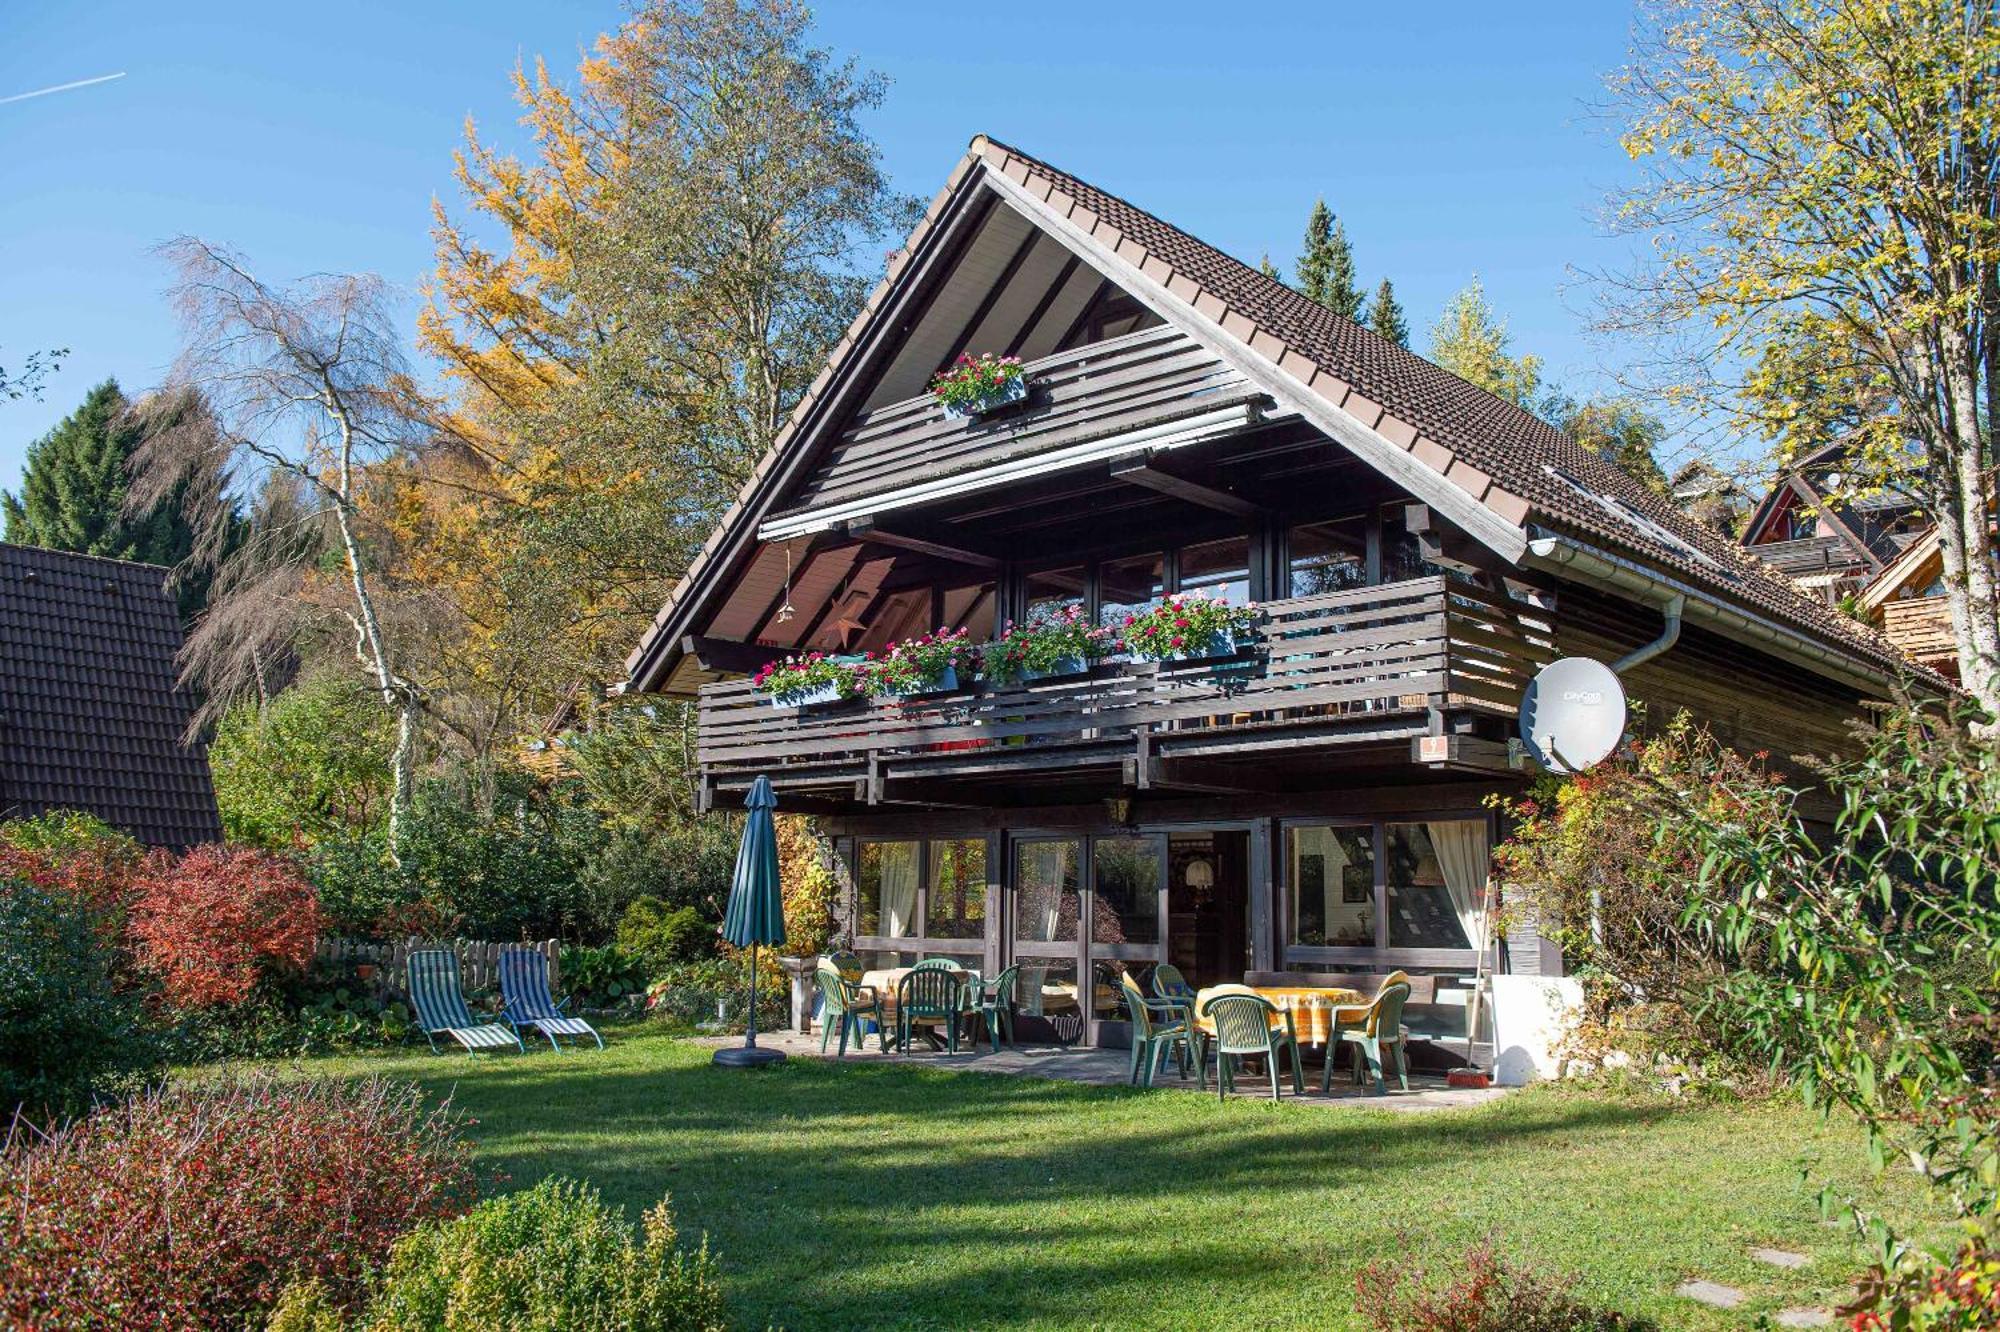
[99,876]
[1487,1294]
[195,1207]
[210,923]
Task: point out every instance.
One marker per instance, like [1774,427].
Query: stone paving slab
[1714,1293]
[1780,1258]
[1803,1318]
[1107,1068]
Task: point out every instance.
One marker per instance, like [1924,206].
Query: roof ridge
[162,569]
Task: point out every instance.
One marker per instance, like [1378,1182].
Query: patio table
[1318,1011]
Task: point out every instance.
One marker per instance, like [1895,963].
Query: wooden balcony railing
[1363,655]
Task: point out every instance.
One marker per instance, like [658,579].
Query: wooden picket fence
[478,960]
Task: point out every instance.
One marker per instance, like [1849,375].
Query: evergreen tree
[74,487]
[1326,264]
[1267,268]
[1386,316]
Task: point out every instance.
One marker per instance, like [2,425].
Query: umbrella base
[748,1056]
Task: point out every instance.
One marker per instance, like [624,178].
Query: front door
[1128,923]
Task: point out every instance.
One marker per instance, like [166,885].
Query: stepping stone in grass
[1780,1257]
[1803,1318]
[1708,1292]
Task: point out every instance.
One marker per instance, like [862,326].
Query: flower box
[944,682]
[1188,627]
[1010,391]
[1056,643]
[1224,644]
[810,696]
[1055,670]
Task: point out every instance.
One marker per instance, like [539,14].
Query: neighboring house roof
[91,716]
[1492,468]
[1919,563]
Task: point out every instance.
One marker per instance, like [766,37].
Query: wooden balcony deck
[1365,664]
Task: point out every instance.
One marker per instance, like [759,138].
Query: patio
[1109,1068]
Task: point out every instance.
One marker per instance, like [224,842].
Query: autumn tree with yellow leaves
[1821,184]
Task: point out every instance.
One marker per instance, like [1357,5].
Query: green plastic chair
[926,995]
[1382,1029]
[1168,983]
[994,1001]
[1159,1028]
[1243,1027]
[844,1005]
[937,964]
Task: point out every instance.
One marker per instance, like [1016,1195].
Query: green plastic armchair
[993,1002]
[845,1005]
[930,995]
[1159,1028]
[1242,1027]
[1381,1029]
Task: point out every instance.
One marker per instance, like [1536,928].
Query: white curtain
[1463,860]
[899,888]
[1324,843]
[1044,866]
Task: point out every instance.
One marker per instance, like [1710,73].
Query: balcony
[1363,666]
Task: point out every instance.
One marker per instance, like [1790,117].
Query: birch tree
[307,386]
[1829,170]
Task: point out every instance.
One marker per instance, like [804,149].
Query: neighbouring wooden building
[1416,547]
[92,716]
[1830,543]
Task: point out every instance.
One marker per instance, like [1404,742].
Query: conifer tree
[1326,264]
[1386,316]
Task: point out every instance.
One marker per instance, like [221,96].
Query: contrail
[61,87]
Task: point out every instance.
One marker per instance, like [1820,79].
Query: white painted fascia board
[1159,438]
[1505,539]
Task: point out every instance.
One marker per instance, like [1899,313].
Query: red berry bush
[196,1207]
[208,925]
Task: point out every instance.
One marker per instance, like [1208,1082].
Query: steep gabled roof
[1490,467]
[91,717]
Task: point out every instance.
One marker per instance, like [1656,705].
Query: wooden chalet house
[1830,545]
[1416,548]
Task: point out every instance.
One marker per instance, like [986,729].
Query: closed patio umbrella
[756,913]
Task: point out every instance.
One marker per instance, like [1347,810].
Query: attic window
[1645,526]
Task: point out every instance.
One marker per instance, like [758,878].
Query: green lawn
[855,1196]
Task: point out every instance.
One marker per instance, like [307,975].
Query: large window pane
[958,890]
[1046,899]
[886,882]
[1327,557]
[1050,592]
[1219,569]
[1437,878]
[1330,873]
[1127,874]
[1128,586]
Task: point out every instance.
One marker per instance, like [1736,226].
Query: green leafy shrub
[66,832]
[601,976]
[66,1033]
[194,1207]
[683,864]
[308,766]
[1487,1294]
[659,935]
[552,1257]
[714,994]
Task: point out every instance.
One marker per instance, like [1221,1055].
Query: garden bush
[76,856]
[601,976]
[65,1031]
[1486,1294]
[209,925]
[310,765]
[685,864]
[660,935]
[714,993]
[552,1257]
[196,1206]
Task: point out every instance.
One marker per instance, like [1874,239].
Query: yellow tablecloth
[1316,1010]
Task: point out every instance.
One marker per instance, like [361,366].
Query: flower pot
[1224,644]
[944,682]
[1012,391]
[808,697]
[1061,666]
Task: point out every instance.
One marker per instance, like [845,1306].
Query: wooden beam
[1180,774]
[864,529]
[985,306]
[1141,472]
[1444,545]
[726,656]
[1027,329]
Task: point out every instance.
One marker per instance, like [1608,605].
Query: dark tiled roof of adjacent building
[1515,456]
[91,717]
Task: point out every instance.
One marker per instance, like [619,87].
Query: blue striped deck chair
[526,1001]
[439,1000]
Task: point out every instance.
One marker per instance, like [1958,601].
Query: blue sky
[1452,138]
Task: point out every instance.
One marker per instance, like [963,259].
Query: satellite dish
[1572,714]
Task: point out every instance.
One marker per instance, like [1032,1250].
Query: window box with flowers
[1188,627]
[806,680]
[927,665]
[1064,643]
[977,385]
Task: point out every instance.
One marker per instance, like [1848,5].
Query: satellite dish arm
[1670,634]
